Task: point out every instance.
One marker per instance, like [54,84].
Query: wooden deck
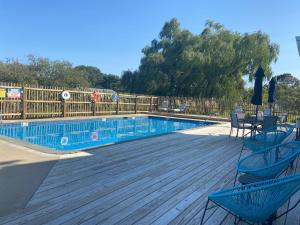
[160,180]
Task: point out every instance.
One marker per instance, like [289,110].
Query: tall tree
[210,64]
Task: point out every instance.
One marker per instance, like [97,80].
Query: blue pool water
[81,134]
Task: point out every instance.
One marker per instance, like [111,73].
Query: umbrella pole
[256,112]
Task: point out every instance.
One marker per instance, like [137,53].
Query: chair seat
[176,110]
[246,126]
[249,179]
[163,109]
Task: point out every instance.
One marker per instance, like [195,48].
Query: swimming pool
[70,135]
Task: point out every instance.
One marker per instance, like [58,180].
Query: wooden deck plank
[35,215]
[90,210]
[158,180]
[85,162]
[126,172]
[143,201]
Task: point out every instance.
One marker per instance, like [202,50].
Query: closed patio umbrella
[257,95]
[272,92]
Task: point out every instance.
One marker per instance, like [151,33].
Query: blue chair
[271,162]
[256,202]
[266,139]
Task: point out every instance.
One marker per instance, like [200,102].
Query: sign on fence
[2,92]
[14,93]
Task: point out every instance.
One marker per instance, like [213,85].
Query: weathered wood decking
[160,180]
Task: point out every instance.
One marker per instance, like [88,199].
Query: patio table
[253,121]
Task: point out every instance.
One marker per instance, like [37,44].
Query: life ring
[64,140]
[114,97]
[65,95]
[94,136]
[95,96]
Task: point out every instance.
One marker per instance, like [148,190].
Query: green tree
[211,64]
[92,74]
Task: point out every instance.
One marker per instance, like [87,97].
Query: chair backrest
[283,117]
[267,112]
[240,115]
[270,123]
[165,104]
[182,106]
[256,202]
[260,115]
[267,139]
[234,120]
[238,109]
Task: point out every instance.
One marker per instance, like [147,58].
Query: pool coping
[51,151]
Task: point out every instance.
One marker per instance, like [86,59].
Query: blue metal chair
[266,139]
[256,202]
[271,162]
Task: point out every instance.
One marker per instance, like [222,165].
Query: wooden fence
[43,102]
[31,101]
[223,107]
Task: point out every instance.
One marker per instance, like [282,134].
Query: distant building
[298,43]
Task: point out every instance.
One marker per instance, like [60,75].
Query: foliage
[177,63]
[288,91]
[211,64]
[46,72]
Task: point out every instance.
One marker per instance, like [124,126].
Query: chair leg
[230,131]
[237,132]
[206,205]
[271,219]
[241,153]
[243,132]
[235,178]
[235,220]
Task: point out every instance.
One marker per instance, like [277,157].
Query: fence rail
[32,101]
[223,107]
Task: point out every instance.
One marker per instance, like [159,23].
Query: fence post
[136,105]
[24,103]
[151,99]
[117,108]
[64,108]
[94,108]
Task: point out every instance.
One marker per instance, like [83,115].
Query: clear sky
[110,34]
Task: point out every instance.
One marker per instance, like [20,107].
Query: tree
[43,71]
[13,71]
[111,82]
[92,74]
[288,80]
[210,64]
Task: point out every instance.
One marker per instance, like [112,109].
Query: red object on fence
[96,96]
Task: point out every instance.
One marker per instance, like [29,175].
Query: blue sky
[110,34]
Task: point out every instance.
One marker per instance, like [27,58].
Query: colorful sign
[2,93]
[14,92]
